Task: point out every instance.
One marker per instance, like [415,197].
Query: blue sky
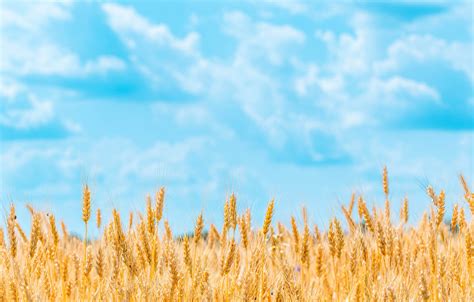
[302,102]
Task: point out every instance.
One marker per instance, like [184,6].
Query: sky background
[302,102]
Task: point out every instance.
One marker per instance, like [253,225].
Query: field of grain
[372,255]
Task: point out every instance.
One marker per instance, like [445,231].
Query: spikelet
[296,234]
[305,246]
[351,204]
[454,218]
[243,232]
[54,230]
[431,193]
[20,230]
[389,295]
[268,217]
[64,269]
[30,209]
[461,220]
[469,251]
[381,243]
[11,231]
[13,292]
[130,220]
[99,263]
[187,255]
[173,266]
[88,263]
[64,230]
[86,204]
[332,239]
[160,201]
[227,219]
[317,233]
[404,211]
[386,192]
[468,195]
[213,234]
[353,259]
[441,208]
[339,237]
[2,239]
[98,218]
[467,192]
[319,260]
[198,229]
[424,293]
[350,222]
[168,232]
[150,216]
[364,212]
[229,258]
[385,182]
[233,211]
[144,240]
[35,233]
[248,220]
[86,214]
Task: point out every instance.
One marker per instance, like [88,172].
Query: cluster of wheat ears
[371,258]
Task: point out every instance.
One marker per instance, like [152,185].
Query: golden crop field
[372,255]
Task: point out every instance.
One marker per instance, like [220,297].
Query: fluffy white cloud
[50,59]
[293,6]
[37,112]
[394,87]
[28,50]
[425,49]
[351,54]
[127,22]
[259,40]
[242,79]
[33,16]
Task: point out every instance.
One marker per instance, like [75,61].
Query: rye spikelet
[54,230]
[233,211]
[404,211]
[86,204]
[296,234]
[364,212]
[198,229]
[441,208]
[150,216]
[454,218]
[268,217]
[98,218]
[11,231]
[160,201]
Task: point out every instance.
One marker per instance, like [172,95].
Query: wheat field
[372,255]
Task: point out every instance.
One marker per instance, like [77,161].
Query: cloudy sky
[304,103]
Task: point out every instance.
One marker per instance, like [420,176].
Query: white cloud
[351,53]
[425,49]
[243,79]
[293,6]
[259,40]
[24,109]
[104,64]
[37,112]
[27,48]
[125,21]
[32,16]
[9,89]
[50,59]
[394,86]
